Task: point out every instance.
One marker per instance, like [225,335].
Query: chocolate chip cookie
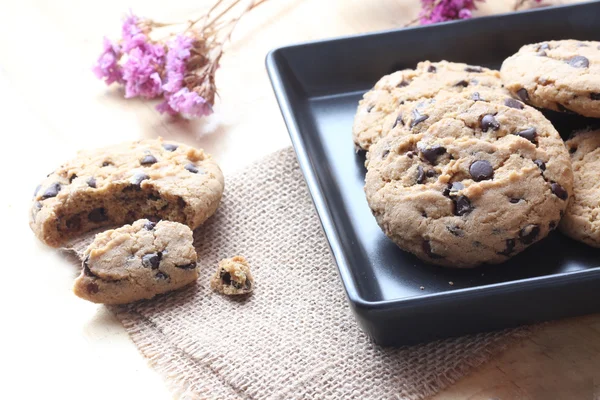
[582,219]
[151,178]
[233,277]
[470,181]
[137,262]
[376,112]
[559,75]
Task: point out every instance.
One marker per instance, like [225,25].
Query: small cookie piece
[582,219]
[477,182]
[122,183]
[233,277]
[377,111]
[137,262]
[562,75]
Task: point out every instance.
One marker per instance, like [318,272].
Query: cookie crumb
[233,277]
[451,283]
[422,288]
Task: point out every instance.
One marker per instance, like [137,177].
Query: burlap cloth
[295,337]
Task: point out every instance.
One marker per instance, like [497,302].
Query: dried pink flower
[446,10]
[130,27]
[175,66]
[140,72]
[182,69]
[189,104]
[107,66]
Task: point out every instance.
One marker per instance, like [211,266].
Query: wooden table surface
[58,346]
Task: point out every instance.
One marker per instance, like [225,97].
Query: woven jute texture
[295,337]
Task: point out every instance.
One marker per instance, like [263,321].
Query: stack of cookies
[463,170]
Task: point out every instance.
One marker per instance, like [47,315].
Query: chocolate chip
[151,260]
[528,234]
[37,207]
[572,150]
[462,206]
[420,175]
[488,121]
[52,191]
[384,154]
[514,200]
[37,189]
[161,275]
[225,277]
[423,214]
[427,249]
[236,284]
[192,168]
[248,284]
[563,109]
[98,215]
[481,170]
[169,146]
[138,178]
[473,69]
[149,225]
[432,153]
[410,154]
[523,95]
[107,163]
[529,134]
[452,188]
[92,288]
[148,159]
[595,96]
[187,266]
[541,165]
[417,118]
[73,223]
[91,182]
[552,225]
[430,173]
[72,178]
[455,230]
[432,69]
[510,246]
[462,83]
[403,84]
[578,62]
[398,121]
[86,267]
[544,46]
[514,104]
[559,191]
[476,97]
[370,108]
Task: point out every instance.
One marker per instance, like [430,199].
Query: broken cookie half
[233,277]
[136,262]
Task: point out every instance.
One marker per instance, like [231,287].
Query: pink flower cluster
[446,10]
[150,69]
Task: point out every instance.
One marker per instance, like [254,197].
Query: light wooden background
[57,346]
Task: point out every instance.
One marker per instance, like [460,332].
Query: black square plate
[397,298]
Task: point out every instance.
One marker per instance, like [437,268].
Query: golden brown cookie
[470,180]
[561,75]
[122,183]
[582,219]
[137,262]
[375,115]
[233,277]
